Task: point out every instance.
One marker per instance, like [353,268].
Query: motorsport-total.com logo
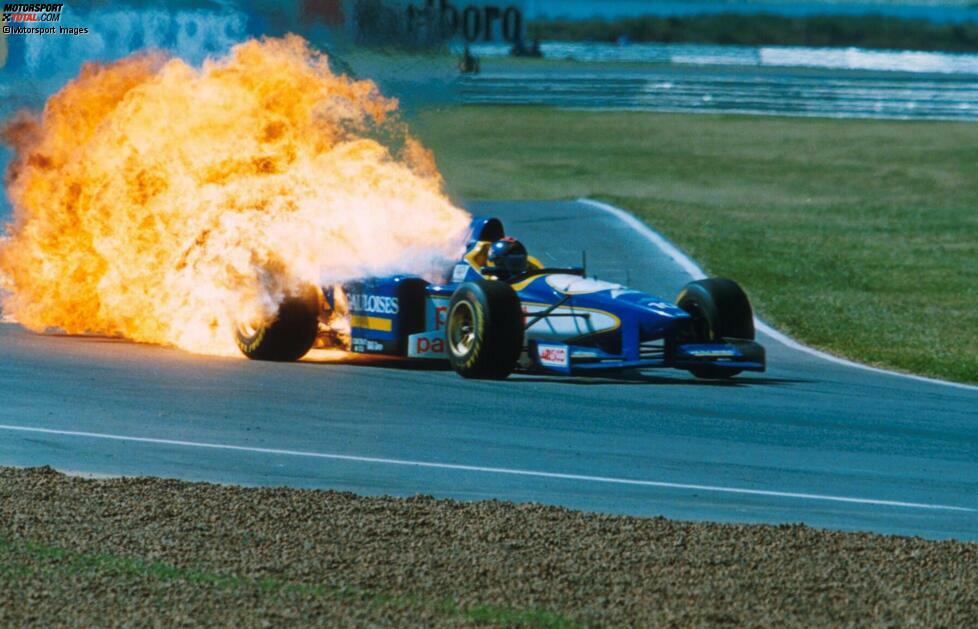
[19,18]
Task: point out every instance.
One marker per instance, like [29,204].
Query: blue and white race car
[500,310]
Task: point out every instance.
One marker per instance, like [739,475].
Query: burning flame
[160,202]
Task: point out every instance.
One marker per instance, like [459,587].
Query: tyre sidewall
[724,308]
[696,300]
[290,335]
[498,328]
[723,304]
[475,297]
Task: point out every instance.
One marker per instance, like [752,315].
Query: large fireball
[160,202]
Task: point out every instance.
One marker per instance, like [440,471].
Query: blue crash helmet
[508,257]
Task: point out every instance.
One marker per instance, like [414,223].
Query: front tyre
[720,309]
[289,336]
[484,330]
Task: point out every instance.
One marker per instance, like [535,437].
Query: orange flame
[159,202]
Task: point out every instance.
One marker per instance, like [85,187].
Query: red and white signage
[427,345]
[553,355]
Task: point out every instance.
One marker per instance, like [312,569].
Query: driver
[508,258]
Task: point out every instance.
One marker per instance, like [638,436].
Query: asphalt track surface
[808,441]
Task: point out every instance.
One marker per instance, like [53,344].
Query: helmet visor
[513,262]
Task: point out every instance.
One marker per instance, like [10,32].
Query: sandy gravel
[233,555]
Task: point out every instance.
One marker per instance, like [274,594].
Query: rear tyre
[720,309]
[484,330]
[289,336]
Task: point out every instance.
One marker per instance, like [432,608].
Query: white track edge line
[493,470]
[694,270]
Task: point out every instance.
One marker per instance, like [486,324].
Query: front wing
[733,354]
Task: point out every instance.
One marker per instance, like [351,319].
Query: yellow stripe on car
[371,323]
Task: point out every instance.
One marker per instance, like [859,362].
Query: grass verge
[858,237]
[213,596]
[162,552]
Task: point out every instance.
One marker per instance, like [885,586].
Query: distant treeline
[865,31]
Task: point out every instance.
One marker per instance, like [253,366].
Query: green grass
[58,570]
[858,237]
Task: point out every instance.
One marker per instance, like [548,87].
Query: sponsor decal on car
[373,304]
[436,313]
[710,352]
[366,345]
[458,274]
[377,324]
[557,356]
[427,345]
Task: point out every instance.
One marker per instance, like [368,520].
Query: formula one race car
[499,310]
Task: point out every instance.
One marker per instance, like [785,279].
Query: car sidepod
[385,312]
